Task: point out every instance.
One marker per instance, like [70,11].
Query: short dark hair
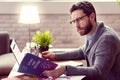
[86,6]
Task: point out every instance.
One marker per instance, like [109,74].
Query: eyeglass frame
[78,19]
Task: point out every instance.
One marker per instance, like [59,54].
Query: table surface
[20,76]
[73,63]
[70,62]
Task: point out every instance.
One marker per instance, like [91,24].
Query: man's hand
[48,55]
[55,73]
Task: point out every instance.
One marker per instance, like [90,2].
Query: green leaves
[118,1]
[43,39]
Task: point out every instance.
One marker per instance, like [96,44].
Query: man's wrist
[65,70]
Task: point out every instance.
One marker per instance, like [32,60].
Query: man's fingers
[46,73]
[49,74]
[45,56]
[45,52]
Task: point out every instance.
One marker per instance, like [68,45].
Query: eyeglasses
[77,20]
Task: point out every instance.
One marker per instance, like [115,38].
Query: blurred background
[54,16]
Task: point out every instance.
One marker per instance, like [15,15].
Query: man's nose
[77,24]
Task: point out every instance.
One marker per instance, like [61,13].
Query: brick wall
[65,36]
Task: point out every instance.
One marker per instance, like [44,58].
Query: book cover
[35,65]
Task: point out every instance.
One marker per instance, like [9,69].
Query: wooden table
[14,72]
[73,63]
[20,76]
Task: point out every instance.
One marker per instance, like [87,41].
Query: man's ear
[92,16]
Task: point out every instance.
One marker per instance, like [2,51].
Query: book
[34,65]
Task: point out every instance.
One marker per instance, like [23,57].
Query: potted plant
[43,40]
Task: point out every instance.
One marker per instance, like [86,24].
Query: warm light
[29,15]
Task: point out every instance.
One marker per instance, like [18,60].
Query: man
[101,50]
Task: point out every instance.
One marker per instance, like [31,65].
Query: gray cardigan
[102,56]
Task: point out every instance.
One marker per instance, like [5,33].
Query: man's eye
[81,19]
[78,19]
[73,21]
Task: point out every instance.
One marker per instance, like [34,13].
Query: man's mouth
[80,30]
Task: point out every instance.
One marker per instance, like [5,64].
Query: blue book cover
[35,65]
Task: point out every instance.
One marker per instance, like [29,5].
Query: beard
[86,29]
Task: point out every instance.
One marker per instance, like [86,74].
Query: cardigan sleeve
[71,55]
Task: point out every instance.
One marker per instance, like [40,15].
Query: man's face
[81,21]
